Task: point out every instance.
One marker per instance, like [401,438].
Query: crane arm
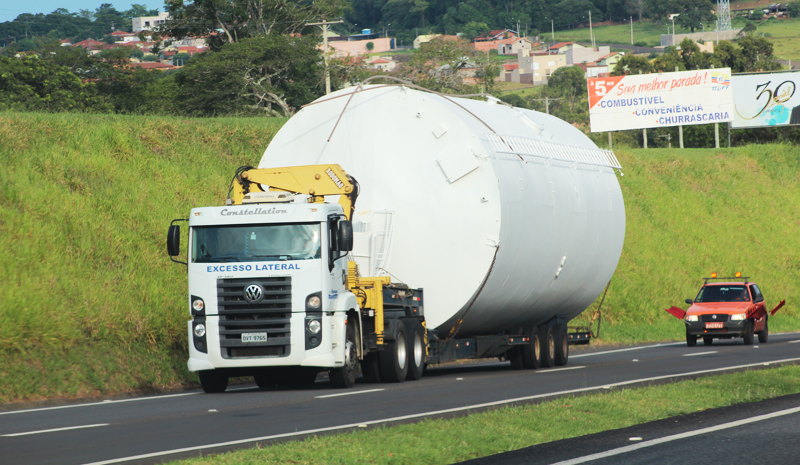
[317,181]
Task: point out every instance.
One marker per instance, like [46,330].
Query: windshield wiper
[280,257]
[223,259]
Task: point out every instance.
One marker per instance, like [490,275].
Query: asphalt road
[758,432]
[155,428]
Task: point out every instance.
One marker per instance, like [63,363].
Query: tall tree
[693,12]
[229,21]
[447,64]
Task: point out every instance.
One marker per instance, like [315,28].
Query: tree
[636,7]
[370,46]
[669,60]
[632,64]
[471,30]
[229,21]
[693,12]
[269,75]
[657,10]
[570,84]
[794,9]
[757,54]
[749,28]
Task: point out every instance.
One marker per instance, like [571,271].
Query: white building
[146,23]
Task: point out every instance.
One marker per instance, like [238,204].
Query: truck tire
[748,333]
[561,345]
[514,355]
[394,358]
[345,377]
[532,353]
[708,340]
[266,379]
[763,335]
[691,340]
[370,368]
[212,381]
[548,345]
[416,349]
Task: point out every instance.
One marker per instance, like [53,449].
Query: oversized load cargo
[505,217]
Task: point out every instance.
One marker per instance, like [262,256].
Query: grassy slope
[90,303]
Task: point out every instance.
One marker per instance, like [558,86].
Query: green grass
[443,441]
[90,303]
[785,37]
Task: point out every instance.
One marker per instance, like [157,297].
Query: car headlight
[314,326]
[200,330]
[198,305]
[691,318]
[738,316]
[313,301]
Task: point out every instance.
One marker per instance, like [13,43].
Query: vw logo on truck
[253,293]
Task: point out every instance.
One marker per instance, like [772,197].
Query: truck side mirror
[689,301]
[345,236]
[174,240]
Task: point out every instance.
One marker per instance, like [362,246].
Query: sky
[10,9]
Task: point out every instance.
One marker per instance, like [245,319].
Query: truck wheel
[211,381]
[708,340]
[763,335]
[691,340]
[370,368]
[416,349]
[548,344]
[265,379]
[748,333]
[561,345]
[514,355]
[345,377]
[532,353]
[394,358]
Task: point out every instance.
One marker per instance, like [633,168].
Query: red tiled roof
[121,34]
[560,44]
[511,66]
[89,43]
[153,65]
[378,61]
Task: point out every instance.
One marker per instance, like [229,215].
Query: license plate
[254,337]
[713,325]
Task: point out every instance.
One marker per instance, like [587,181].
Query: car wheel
[748,333]
[707,340]
[763,335]
[691,340]
[211,381]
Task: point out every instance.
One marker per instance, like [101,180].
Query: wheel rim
[537,349]
[564,344]
[551,345]
[401,351]
[350,356]
[418,349]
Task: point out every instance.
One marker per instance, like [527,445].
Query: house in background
[385,64]
[513,45]
[148,22]
[537,68]
[577,53]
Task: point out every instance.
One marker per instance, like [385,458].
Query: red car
[731,308]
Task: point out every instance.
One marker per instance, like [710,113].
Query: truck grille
[271,315]
[719,317]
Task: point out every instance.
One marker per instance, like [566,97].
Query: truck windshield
[256,243]
[723,294]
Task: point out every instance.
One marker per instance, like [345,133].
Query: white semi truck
[474,230]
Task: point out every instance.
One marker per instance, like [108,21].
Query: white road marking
[560,369]
[795,341]
[428,414]
[105,402]
[626,350]
[54,430]
[700,353]
[348,393]
[675,437]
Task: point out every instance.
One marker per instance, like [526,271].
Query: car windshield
[723,294]
[256,243]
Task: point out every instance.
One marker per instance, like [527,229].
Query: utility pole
[591,35]
[552,31]
[631,30]
[324,25]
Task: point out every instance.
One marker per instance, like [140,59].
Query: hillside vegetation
[90,303]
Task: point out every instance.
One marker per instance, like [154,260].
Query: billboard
[659,100]
[770,99]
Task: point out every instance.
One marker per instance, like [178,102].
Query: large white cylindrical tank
[505,217]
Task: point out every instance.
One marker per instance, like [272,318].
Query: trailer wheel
[416,349]
[514,355]
[548,344]
[691,340]
[370,368]
[748,333]
[211,381]
[561,345]
[763,335]
[394,358]
[345,377]
[532,353]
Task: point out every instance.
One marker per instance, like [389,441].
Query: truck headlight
[200,330]
[691,318]
[738,316]
[313,301]
[198,305]
[314,326]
